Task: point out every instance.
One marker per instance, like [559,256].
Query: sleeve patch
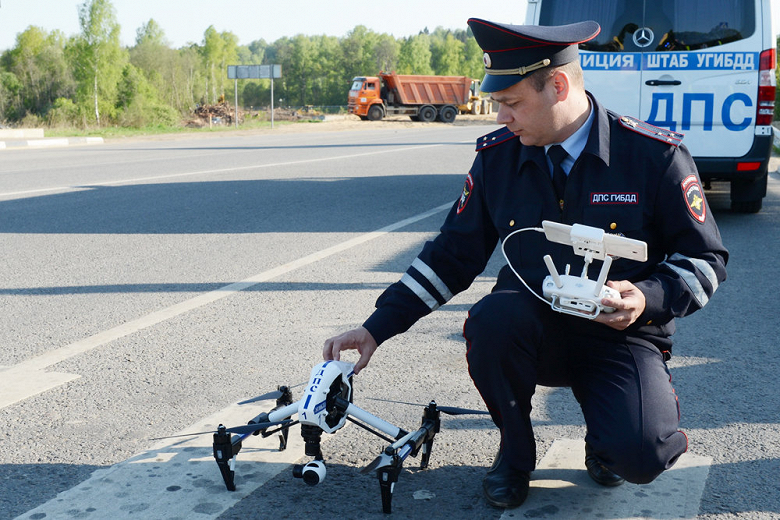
[694,198]
[468,187]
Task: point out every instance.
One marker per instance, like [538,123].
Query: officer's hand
[627,309]
[359,339]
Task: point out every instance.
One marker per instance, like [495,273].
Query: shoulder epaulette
[494,138]
[654,132]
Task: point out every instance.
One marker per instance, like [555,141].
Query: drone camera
[312,473]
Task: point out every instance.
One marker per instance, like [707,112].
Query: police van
[705,68]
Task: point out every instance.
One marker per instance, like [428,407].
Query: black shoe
[504,486]
[598,472]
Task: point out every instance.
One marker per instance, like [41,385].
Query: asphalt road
[159,281]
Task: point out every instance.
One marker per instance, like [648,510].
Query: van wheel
[746,206]
[427,114]
[747,195]
[447,114]
[375,113]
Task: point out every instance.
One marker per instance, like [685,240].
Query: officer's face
[530,114]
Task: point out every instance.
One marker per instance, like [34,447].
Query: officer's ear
[561,84]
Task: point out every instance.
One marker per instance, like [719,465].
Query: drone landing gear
[224,450]
[388,476]
[388,465]
[226,445]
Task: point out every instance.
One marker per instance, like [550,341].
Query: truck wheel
[375,113]
[427,114]
[447,114]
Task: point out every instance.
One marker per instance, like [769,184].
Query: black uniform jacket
[631,179]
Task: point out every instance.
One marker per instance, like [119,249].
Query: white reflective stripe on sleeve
[690,278]
[420,291]
[432,277]
[703,267]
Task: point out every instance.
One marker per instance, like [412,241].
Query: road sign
[237,72]
[254,71]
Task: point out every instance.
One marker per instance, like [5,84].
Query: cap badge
[486,60]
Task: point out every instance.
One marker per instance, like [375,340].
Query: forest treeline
[90,79]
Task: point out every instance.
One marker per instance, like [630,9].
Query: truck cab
[365,98]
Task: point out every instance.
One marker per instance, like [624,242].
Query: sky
[185,21]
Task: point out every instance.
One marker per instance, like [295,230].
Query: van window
[675,25]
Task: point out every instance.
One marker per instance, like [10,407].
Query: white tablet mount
[581,296]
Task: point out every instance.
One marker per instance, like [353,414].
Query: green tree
[302,68]
[447,55]
[151,33]
[38,61]
[213,49]
[138,102]
[98,56]
[415,55]
[11,107]
[472,60]
[358,52]
[257,50]
[332,83]
[385,53]
[219,50]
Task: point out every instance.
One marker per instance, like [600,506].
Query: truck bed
[428,90]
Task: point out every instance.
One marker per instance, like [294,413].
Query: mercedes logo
[643,37]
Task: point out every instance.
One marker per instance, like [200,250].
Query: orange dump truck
[423,98]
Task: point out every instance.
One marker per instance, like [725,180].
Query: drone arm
[283,413]
[372,420]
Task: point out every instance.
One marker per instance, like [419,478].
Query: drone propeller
[247,428]
[449,410]
[275,394]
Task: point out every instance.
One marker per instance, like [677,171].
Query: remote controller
[578,295]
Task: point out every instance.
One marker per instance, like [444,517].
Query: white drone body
[327,379]
[580,296]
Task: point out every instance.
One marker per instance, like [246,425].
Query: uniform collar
[575,143]
[597,143]
[599,136]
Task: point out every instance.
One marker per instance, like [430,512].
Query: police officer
[563,157]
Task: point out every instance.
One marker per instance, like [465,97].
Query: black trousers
[622,384]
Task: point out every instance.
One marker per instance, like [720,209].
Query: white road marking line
[209,172]
[178,478]
[561,489]
[28,378]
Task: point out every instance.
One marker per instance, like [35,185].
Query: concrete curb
[50,143]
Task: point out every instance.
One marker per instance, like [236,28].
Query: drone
[324,408]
